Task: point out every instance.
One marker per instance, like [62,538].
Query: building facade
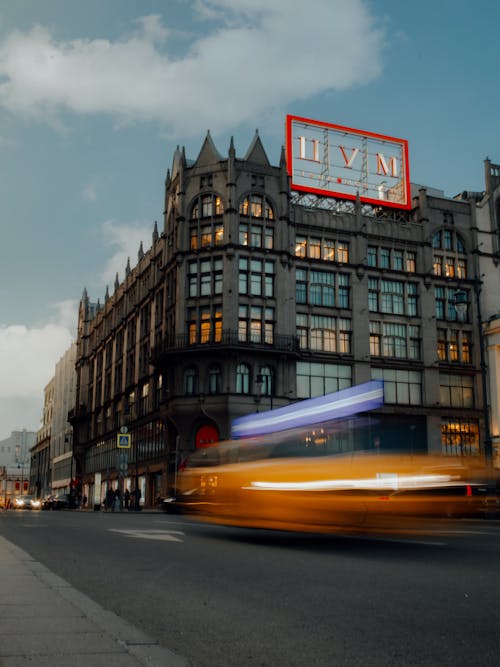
[254,296]
[52,464]
[63,479]
[41,464]
[486,216]
[15,464]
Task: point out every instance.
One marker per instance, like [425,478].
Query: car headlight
[36,503]
[19,502]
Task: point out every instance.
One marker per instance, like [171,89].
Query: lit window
[328,250]
[300,246]
[460,437]
[411,262]
[315,248]
[342,252]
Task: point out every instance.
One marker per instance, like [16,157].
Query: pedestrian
[126,498]
[110,498]
[117,502]
[137,499]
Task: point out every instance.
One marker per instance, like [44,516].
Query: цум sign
[335,161]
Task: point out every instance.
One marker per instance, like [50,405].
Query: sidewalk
[46,622]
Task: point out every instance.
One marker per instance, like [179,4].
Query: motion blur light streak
[394,482]
[338,405]
[256,486]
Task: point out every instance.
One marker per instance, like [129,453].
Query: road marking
[159,535]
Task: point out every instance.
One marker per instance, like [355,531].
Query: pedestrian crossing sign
[123,440]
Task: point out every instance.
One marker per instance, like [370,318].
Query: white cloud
[28,357]
[125,239]
[89,193]
[258,55]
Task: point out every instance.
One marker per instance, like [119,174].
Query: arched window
[214,380]
[449,254]
[257,222]
[206,206]
[206,227]
[191,381]
[257,206]
[243,379]
[265,381]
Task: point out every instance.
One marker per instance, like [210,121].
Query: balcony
[76,413]
[227,339]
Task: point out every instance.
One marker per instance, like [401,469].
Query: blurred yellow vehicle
[246,484]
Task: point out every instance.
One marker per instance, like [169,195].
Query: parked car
[26,503]
[56,502]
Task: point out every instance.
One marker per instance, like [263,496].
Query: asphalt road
[223,596]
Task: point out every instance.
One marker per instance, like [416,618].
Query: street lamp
[461,303]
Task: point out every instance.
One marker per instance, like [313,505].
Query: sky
[96,95]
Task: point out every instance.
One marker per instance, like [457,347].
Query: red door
[206,436]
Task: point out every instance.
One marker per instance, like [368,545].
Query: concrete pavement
[44,621]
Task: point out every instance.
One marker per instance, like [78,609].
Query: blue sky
[95,96]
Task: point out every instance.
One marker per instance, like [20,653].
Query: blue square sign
[123,440]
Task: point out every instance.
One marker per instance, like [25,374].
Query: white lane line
[159,535]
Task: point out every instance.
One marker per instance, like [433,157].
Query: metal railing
[226,337]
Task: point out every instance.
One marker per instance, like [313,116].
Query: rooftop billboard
[336,161]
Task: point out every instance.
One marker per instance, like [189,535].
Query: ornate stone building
[253,296]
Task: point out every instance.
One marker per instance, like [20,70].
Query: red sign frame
[337,180]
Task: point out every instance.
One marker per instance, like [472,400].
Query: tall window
[391,339]
[205,277]
[257,206]
[445,300]
[397,259]
[206,228]
[257,222]
[256,277]
[324,333]
[322,288]
[314,379]
[456,391]
[392,296]
[266,378]
[144,397]
[191,380]
[205,324]
[449,254]
[328,250]
[460,437]
[256,324]
[243,379]
[454,345]
[400,386]
[214,380]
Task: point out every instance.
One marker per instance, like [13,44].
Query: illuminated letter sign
[335,161]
